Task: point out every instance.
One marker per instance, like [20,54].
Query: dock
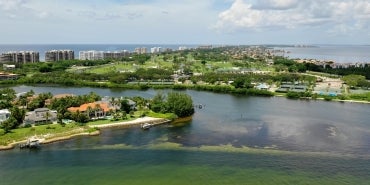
[31,144]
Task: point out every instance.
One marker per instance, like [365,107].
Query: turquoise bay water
[232,140]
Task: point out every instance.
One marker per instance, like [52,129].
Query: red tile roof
[104,106]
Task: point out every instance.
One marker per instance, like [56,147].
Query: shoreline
[136,122]
[185,87]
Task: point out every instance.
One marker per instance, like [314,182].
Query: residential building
[8,76]
[8,67]
[262,86]
[4,115]
[91,55]
[132,104]
[40,116]
[94,110]
[116,102]
[116,54]
[182,48]
[156,50]
[142,50]
[58,55]
[20,57]
[205,47]
[167,50]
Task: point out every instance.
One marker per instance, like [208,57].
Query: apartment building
[156,50]
[58,55]
[116,54]
[20,57]
[141,50]
[91,55]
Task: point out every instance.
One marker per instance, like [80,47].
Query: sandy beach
[138,121]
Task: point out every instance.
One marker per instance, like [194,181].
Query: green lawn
[169,116]
[158,62]
[24,133]
[125,67]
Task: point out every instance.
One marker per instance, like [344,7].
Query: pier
[31,144]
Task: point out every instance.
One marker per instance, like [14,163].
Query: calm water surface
[232,140]
[340,54]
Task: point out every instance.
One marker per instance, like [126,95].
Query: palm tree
[114,102]
[97,109]
[88,111]
[47,116]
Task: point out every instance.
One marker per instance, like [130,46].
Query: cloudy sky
[185,21]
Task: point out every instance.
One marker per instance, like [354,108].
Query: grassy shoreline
[61,135]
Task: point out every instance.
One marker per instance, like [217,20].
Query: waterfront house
[263,86]
[116,103]
[132,104]
[94,110]
[299,88]
[292,87]
[40,116]
[8,76]
[8,67]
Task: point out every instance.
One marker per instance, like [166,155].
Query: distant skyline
[185,22]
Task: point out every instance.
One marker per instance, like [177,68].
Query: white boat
[146,126]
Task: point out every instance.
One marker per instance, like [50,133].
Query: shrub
[328,98]
[293,95]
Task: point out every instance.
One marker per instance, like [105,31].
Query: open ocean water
[336,53]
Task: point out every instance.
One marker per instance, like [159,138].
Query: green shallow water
[154,166]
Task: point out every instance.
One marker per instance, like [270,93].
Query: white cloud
[345,16]
[7,5]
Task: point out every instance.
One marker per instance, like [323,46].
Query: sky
[185,22]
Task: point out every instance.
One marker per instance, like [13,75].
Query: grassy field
[123,67]
[52,130]
[158,62]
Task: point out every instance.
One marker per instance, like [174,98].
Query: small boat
[146,126]
[31,144]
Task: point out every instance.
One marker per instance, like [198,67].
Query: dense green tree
[9,124]
[18,114]
[80,117]
[158,103]
[353,80]
[7,94]
[125,106]
[179,103]
[46,67]
[242,82]
[39,101]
